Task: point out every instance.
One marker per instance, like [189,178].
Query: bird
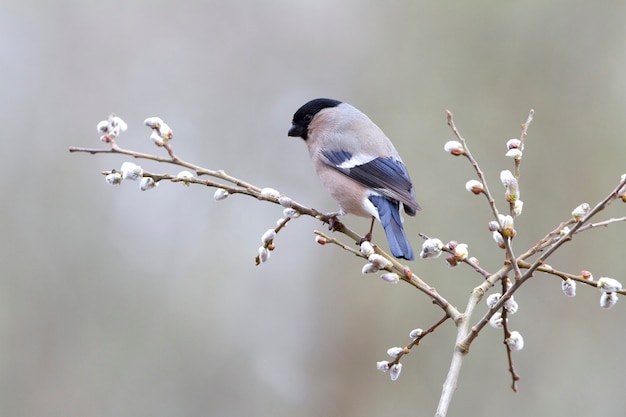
[358,166]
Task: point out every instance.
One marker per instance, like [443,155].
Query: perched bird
[358,166]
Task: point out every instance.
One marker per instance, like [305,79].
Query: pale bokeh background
[121,303]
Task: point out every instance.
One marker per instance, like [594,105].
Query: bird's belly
[351,196]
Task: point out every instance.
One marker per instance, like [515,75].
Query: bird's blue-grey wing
[387,176]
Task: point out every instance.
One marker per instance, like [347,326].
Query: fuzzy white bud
[515,341]
[156,138]
[379,261]
[285,201]
[518,207]
[514,153]
[496,320]
[103,126]
[506,221]
[268,236]
[165,131]
[512,193]
[114,132]
[506,177]
[366,248]
[493,226]
[382,366]
[581,211]
[415,333]
[114,178]
[606,284]
[493,299]
[454,147]
[153,122]
[184,175]
[608,300]
[264,254]
[131,171]
[118,123]
[461,251]
[511,306]
[508,229]
[431,248]
[220,194]
[514,144]
[147,183]
[394,371]
[474,186]
[291,213]
[569,287]
[269,192]
[369,269]
[111,128]
[390,277]
[394,351]
[497,237]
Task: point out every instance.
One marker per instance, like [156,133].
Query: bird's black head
[304,115]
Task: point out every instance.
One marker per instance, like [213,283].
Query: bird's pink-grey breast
[373,180]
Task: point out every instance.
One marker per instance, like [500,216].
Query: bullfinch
[358,166]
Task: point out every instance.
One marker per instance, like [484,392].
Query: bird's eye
[308,118]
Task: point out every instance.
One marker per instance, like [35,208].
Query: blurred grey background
[116,302]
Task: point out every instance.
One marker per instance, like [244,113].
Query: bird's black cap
[304,115]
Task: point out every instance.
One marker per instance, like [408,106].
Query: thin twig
[486,192]
[510,256]
[474,164]
[468,261]
[541,260]
[564,275]
[171,160]
[548,245]
[405,274]
[514,375]
[269,244]
[522,139]
[415,342]
[339,243]
[601,224]
[507,333]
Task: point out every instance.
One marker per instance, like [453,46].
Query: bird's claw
[366,238]
[333,221]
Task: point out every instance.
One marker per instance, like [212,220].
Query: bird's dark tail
[389,215]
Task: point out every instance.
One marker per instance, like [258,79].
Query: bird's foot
[333,221]
[366,238]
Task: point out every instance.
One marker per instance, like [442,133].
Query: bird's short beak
[295,131]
